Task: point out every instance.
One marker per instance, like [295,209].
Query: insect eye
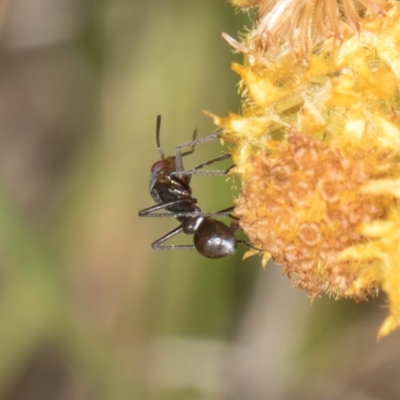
[158,166]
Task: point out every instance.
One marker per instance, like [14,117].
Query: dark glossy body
[165,187]
[213,239]
[170,189]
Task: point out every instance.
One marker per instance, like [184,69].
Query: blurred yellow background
[87,309]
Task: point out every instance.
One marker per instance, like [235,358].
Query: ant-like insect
[170,189]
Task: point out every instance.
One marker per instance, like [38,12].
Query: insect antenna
[158,137]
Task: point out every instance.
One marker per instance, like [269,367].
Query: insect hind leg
[157,245]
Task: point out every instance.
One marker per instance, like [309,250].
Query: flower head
[317,144]
[304,22]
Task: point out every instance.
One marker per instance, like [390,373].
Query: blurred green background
[87,309]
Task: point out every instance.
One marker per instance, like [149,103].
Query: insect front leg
[178,154]
[200,171]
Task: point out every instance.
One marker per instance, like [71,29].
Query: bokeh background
[87,309]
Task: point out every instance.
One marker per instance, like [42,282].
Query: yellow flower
[298,23]
[383,245]
[316,144]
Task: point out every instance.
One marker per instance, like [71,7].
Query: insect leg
[226,212]
[178,154]
[234,227]
[214,160]
[199,171]
[241,241]
[157,244]
[150,211]
[193,146]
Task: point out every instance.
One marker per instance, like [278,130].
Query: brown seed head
[302,204]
